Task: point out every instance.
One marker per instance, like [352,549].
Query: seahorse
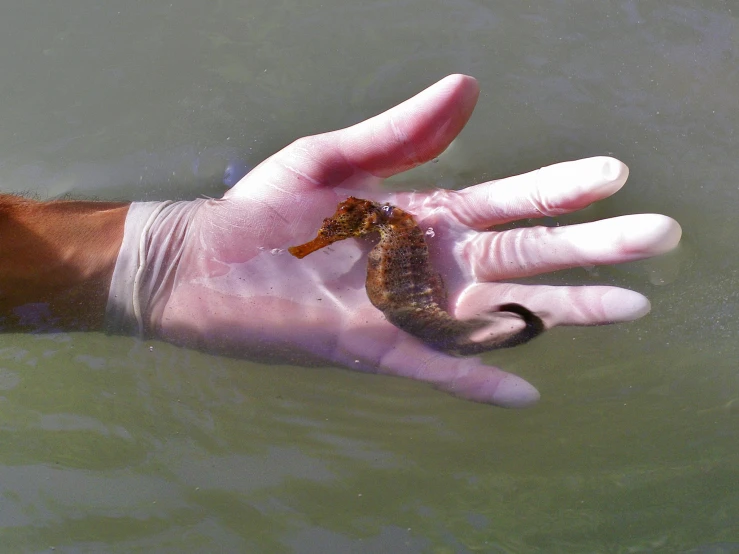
[403,284]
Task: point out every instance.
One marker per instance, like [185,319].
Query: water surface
[111,444]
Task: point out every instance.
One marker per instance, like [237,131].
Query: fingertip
[576,184]
[459,77]
[600,176]
[468,86]
[610,170]
[666,233]
[514,392]
[621,305]
[646,235]
[491,385]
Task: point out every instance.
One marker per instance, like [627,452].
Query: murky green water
[110,444]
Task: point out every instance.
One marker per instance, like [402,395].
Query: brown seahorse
[402,283]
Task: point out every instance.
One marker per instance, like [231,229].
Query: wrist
[57,261]
[146,267]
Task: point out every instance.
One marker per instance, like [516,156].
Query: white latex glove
[215,274]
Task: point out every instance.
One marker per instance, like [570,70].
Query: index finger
[547,192]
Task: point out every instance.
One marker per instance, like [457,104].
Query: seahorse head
[354,217]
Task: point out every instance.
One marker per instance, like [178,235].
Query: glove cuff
[153,239]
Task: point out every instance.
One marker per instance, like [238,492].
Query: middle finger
[523,252]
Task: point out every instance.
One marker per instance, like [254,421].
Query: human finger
[556,305]
[532,250]
[404,136]
[467,378]
[549,191]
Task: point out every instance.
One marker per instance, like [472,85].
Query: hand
[237,291]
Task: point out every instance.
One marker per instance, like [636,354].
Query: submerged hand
[237,291]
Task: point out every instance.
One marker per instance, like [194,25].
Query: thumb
[413,132]
[403,137]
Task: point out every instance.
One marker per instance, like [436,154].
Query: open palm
[237,291]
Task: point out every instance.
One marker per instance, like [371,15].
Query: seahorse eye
[387,210]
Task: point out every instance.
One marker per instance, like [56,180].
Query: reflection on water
[107,444]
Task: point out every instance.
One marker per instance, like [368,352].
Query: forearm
[56,262]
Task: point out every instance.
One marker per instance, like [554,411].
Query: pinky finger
[467,378]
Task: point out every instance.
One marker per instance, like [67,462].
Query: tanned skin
[56,262]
